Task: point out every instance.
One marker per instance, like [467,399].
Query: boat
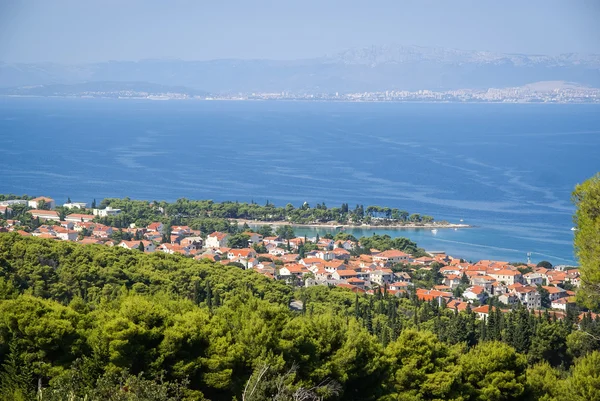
[573,229]
[461,220]
[456,229]
[434,231]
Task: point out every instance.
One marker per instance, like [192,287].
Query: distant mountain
[373,68]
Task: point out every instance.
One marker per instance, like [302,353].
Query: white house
[555,293]
[65,234]
[216,240]
[508,299]
[148,245]
[508,277]
[245,253]
[381,277]
[534,279]
[325,255]
[528,296]
[37,202]
[109,211]
[75,205]
[475,293]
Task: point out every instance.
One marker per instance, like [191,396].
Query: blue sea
[507,169]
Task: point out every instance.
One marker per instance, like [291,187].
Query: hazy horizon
[69,32]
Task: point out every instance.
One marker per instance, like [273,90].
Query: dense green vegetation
[109,323]
[104,323]
[587,243]
[212,216]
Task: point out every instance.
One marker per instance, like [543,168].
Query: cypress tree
[208,295]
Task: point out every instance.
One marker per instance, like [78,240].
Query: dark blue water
[508,169]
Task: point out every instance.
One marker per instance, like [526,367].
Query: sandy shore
[407,226]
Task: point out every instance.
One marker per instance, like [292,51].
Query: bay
[507,169]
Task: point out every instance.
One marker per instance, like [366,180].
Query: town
[338,260]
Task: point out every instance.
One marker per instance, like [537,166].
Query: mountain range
[374,68]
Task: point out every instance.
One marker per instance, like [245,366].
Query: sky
[78,31]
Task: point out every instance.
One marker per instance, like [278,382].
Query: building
[534,278]
[245,253]
[254,238]
[76,217]
[381,277]
[344,274]
[391,256]
[555,293]
[12,202]
[148,245]
[36,203]
[506,276]
[109,211]
[5,212]
[45,214]
[528,296]
[75,205]
[194,243]
[65,234]
[217,240]
[156,227]
[475,293]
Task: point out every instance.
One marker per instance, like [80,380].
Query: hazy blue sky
[83,31]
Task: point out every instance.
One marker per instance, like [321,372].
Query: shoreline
[408,226]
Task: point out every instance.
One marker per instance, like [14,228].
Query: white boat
[573,229]
[456,229]
[434,231]
[461,220]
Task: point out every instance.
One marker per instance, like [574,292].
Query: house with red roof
[529,296]
[216,240]
[245,253]
[452,280]
[475,293]
[5,212]
[391,256]
[507,276]
[156,227]
[554,293]
[65,234]
[344,274]
[44,214]
[148,245]
[341,253]
[42,200]
[102,231]
[78,217]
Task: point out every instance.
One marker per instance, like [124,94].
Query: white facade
[109,211]
[37,202]
[75,205]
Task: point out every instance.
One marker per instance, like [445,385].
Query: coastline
[408,226]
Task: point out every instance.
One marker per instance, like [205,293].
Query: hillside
[374,68]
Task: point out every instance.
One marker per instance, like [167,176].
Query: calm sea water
[508,169]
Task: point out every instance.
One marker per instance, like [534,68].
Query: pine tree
[16,380]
